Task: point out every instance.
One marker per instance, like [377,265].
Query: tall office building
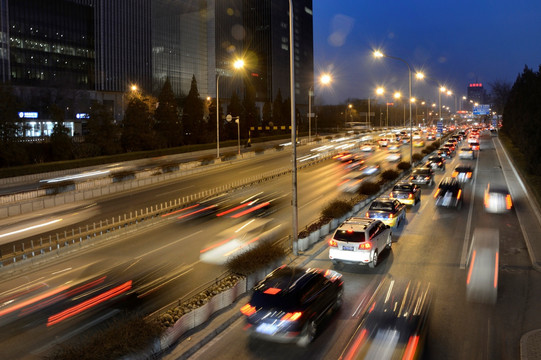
[476,93]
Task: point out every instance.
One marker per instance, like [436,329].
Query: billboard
[481,110]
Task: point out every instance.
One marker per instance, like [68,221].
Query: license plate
[347,248]
[268,329]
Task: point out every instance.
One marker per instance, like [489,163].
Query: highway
[429,248]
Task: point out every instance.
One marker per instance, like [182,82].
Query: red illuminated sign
[476,85]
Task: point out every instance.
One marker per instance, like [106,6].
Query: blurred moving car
[431,136]
[290,303]
[394,147]
[359,241]
[394,157]
[383,142]
[462,173]
[497,199]
[435,162]
[390,211]
[482,279]
[422,176]
[445,153]
[406,192]
[449,193]
[466,153]
[475,146]
[369,147]
[395,323]
[418,143]
[343,156]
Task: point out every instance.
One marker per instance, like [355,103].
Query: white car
[360,241]
[368,148]
[497,199]
[394,157]
[466,153]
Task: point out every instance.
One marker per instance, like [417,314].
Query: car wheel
[389,244]
[308,334]
[339,300]
[374,261]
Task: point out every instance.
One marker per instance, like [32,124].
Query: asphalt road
[429,248]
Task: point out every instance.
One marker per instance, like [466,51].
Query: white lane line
[465,246]
[61,271]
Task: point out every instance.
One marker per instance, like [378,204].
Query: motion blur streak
[247,211]
[216,245]
[177,211]
[356,345]
[231,210]
[30,228]
[65,295]
[197,211]
[496,271]
[240,247]
[471,267]
[33,300]
[89,303]
[77,176]
[411,348]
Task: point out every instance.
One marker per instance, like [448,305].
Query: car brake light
[367,214]
[427,177]
[390,216]
[365,246]
[436,193]
[508,202]
[410,196]
[333,243]
[486,199]
[411,348]
[391,194]
[248,310]
[469,175]
[459,193]
[291,316]
[454,174]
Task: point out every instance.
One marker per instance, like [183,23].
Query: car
[422,176]
[355,164]
[475,146]
[351,182]
[431,136]
[418,143]
[394,157]
[497,199]
[449,193]
[368,148]
[466,153]
[445,152]
[290,303]
[343,156]
[406,192]
[390,211]
[449,146]
[472,138]
[359,241]
[394,147]
[435,162]
[383,142]
[417,136]
[394,322]
[457,137]
[462,173]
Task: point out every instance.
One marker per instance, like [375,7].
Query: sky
[453,42]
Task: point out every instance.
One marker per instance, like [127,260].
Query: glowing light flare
[333,243]
[356,345]
[198,211]
[411,348]
[496,260]
[272,291]
[471,267]
[231,210]
[181,210]
[247,211]
[325,79]
[238,64]
[32,300]
[292,316]
[30,228]
[248,310]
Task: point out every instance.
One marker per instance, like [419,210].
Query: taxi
[406,192]
[390,211]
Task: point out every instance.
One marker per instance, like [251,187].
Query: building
[476,94]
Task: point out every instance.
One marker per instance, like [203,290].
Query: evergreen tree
[167,120]
[61,143]
[102,130]
[12,152]
[192,116]
[277,112]
[234,108]
[137,126]
[267,113]
[250,114]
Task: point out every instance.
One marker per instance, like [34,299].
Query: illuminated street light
[325,79]
[238,64]
[133,88]
[380,91]
[379,54]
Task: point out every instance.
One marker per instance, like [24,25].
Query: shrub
[417,157]
[59,187]
[389,175]
[259,149]
[207,159]
[170,167]
[256,258]
[426,151]
[403,165]
[123,175]
[336,209]
[369,188]
[328,137]
[121,338]
[278,147]
[229,155]
[317,139]
[436,143]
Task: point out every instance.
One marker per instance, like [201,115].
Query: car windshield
[463,169]
[381,205]
[349,236]
[402,188]
[421,172]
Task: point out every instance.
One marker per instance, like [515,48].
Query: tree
[61,144]
[102,130]
[12,152]
[286,112]
[499,94]
[137,126]
[192,115]
[168,126]
[250,113]
[277,106]
[267,113]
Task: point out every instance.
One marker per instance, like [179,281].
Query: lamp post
[397,96]
[379,54]
[238,64]
[294,205]
[237,120]
[324,80]
[380,91]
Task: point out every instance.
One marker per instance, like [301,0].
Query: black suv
[449,193]
[435,162]
[422,176]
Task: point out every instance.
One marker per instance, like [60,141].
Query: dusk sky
[454,42]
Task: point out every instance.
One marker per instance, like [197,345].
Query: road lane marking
[61,271]
[465,246]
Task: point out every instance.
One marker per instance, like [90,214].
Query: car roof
[287,279]
[449,182]
[356,224]
[463,167]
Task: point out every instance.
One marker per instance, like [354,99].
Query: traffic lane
[332,335]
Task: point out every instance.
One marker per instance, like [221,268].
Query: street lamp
[379,54]
[380,91]
[237,120]
[325,79]
[397,96]
[238,64]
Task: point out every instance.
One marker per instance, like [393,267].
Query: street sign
[481,110]
[440,126]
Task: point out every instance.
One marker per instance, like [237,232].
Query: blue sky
[454,42]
